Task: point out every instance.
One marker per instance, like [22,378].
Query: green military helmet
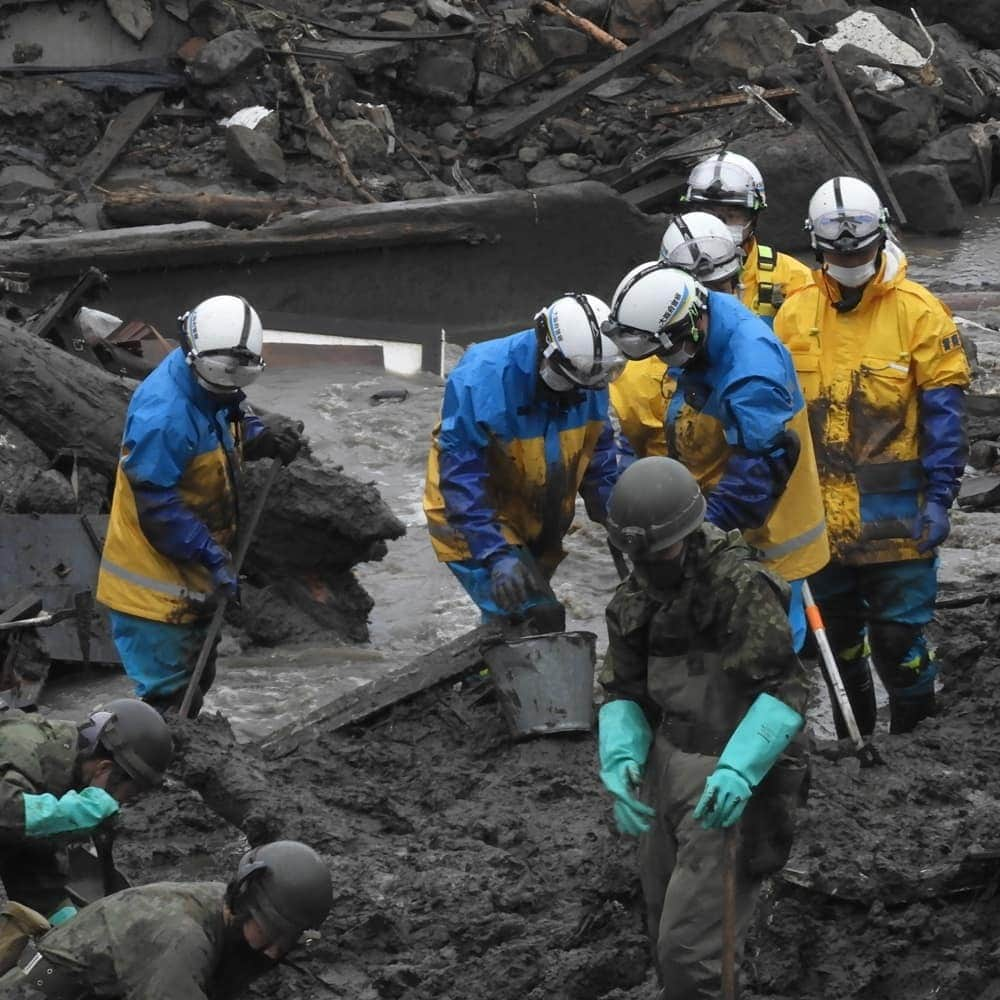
[655,503]
[285,887]
[135,736]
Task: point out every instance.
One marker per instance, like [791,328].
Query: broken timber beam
[146,206]
[866,146]
[116,137]
[720,101]
[447,663]
[495,136]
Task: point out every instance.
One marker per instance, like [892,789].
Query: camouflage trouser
[681,867]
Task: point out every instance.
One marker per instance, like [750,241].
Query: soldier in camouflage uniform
[61,781]
[181,940]
[700,653]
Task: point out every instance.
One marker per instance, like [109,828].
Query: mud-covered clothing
[639,397]
[174,512]
[768,278]
[163,941]
[738,423]
[37,756]
[509,457]
[695,660]
[884,384]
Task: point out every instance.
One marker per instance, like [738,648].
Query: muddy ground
[466,865]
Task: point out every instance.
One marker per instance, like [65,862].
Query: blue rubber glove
[75,812]
[623,744]
[932,526]
[220,565]
[510,580]
[758,741]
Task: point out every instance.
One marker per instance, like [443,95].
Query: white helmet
[702,245]
[846,215]
[223,338]
[576,352]
[727,179]
[655,310]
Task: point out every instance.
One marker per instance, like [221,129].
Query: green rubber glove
[75,812]
[624,739]
[759,740]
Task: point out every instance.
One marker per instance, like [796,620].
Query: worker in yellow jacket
[884,373]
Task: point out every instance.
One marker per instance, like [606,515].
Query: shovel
[867,754]
[215,626]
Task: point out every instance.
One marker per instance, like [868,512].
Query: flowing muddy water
[418,604]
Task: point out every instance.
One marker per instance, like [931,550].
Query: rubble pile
[199,101]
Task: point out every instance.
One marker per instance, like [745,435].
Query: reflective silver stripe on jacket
[161,587]
[798,542]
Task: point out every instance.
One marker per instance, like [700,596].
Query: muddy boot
[905,713]
[857,680]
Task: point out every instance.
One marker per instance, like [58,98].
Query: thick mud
[467,865]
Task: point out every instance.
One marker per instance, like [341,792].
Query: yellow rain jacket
[505,464]
[768,278]
[863,372]
[179,459]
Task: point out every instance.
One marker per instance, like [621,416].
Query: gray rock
[256,155]
[17,180]
[363,143]
[564,43]
[444,78]
[488,85]
[567,134]
[462,113]
[736,42]
[413,190]
[900,136]
[361,55]
[134,17]
[550,171]
[630,19]
[571,161]
[966,153]
[211,18]
[441,10]
[446,133]
[926,196]
[396,20]
[530,155]
[225,56]
[517,17]
[508,54]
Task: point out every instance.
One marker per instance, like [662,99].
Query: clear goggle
[725,182]
[589,372]
[232,368]
[708,258]
[846,231]
[669,341]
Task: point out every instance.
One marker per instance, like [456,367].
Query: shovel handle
[830,668]
[730,844]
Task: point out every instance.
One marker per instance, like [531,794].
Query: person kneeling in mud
[181,940]
[700,654]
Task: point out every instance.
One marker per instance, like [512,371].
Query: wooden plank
[681,20]
[719,101]
[446,663]
[116,137]
[866,146]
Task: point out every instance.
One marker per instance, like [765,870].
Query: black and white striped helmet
[224,339]
[575,347]
[845,216]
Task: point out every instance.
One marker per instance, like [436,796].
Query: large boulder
[975,18]
[629,20]
[925,194]
[794,164]
[967,154]
[225,56]
[742,44]
[254,154]
[444,77]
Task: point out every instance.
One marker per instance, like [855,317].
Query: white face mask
[738,231]
[852,277]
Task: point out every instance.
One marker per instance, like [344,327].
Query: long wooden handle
[730,844]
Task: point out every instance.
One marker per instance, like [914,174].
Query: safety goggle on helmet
[702,245]
[655,310]
[846,216]
[727,179]
[575,347]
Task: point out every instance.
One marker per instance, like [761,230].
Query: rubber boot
[905,713]
[857,679]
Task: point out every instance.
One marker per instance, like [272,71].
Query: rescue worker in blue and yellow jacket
[731,188]
[737,420]
[524,428]
[884,374]
[174,514]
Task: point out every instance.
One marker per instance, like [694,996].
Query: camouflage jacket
[36,755]
[158,942]
[701,659]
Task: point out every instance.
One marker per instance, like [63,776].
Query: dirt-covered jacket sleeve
[171,963]
[601,475]
[755,638]
[624,673]
[13,787]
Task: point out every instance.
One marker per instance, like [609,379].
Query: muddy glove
[227,583]
[510,580]
[759,740]
[283,441]
[932,526]
[75,812]
[624,740]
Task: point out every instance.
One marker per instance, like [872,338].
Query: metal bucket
[545,683]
